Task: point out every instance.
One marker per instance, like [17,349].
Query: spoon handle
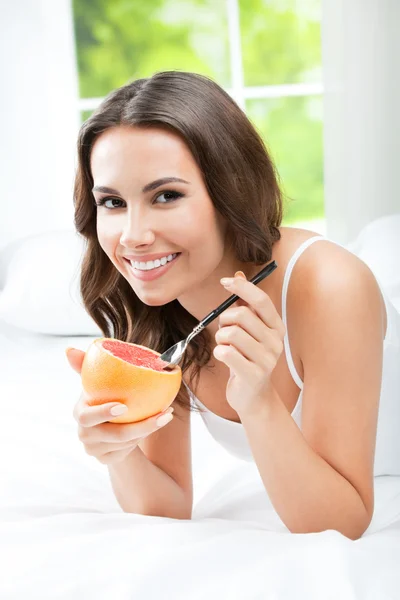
[217,311]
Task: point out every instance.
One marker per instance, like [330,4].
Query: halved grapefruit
[113,370]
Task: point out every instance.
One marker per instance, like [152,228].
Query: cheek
[200,225]
[184,229]
[108,239]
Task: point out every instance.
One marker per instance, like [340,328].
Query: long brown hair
[240,179]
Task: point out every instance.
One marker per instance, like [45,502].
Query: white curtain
[39,118]
[361,65]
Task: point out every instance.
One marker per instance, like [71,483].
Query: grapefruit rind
[145,391]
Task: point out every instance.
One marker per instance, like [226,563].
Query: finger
[131,431]
[100,448]
[120,432]
[257,299]
[88,415]
[92,415]
[235,335]
[246,319]
[75,358]
[242,319]
[114,457]
[237,363]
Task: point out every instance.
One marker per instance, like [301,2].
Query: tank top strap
[286,279]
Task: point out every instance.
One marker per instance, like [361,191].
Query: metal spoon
[174,354]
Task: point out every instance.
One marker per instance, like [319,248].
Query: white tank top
[232,436]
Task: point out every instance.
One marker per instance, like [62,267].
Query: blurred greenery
[291,128]
[85,114]
[280,41]
[121,40]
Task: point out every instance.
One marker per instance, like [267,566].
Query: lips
[149,275]
[148,257]
[130,261]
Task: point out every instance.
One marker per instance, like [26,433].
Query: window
[265,53]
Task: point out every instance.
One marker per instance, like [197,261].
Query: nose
[137,231]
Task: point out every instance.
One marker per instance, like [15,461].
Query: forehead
[124,147]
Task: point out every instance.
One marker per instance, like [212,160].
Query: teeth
[152,264]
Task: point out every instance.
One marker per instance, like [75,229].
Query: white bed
[63,534]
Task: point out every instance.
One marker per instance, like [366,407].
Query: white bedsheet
[63,534]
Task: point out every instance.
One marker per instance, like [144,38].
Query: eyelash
[176,196]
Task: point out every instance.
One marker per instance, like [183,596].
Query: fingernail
[240,274]
[226,280]
[118,410]
[163,420]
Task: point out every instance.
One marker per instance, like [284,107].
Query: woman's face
[174,217]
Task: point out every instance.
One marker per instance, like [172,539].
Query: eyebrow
[147,188]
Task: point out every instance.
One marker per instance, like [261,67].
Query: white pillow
[6,254]
[378,245]
[41,285]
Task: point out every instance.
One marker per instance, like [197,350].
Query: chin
[153,301]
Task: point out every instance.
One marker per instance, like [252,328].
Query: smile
[153,273]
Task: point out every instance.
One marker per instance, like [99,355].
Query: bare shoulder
[325,269]
[325,265]
[327,274]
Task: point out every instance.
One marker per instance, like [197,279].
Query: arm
[308,494]
[156,477]
[321,477]
[143,488]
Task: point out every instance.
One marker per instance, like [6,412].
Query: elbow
[180,515]
[358,531]
[352,534]
[353,530]
[178,512]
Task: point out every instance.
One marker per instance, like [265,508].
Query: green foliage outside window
[121,40]
[280,41]
[292,131]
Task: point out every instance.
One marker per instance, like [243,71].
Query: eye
[170,196]
[105,199]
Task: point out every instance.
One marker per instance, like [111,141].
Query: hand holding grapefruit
[112,443]
[113,370]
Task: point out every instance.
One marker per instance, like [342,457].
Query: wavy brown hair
[239,176]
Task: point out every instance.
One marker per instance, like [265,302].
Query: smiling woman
[167,166]
[174,192]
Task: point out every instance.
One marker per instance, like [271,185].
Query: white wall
[361,58]
[39,119]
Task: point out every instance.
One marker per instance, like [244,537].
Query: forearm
[306,492]
[143,488]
